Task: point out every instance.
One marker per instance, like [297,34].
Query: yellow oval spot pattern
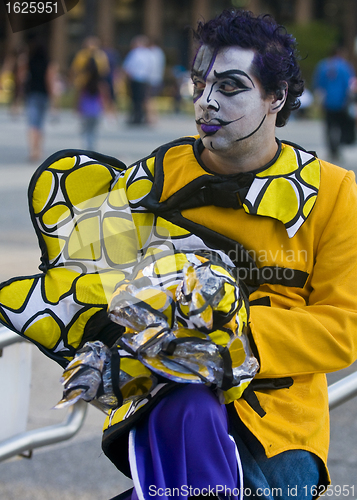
[42,191]
[166,229]
[134,367]
[56,214]
[220,337]
[236,350]
[139,189]
[170,264]
[76,331]
[139,386]
[64,163]
[54,246]
[109,280]
[89,289]
[157,299]
[311,174]
[150,163]
[58,281]
[117,196]
[242,317]
[117,416]
[279,189]
[235,393]
[14,295]
[45,331]
[87,187]
[120,240]
[308,206]
[84,241]
[143,223]
[286,163]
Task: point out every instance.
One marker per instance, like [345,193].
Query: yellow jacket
[310,325]
[296,219]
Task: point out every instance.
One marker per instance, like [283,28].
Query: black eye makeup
[232,74]
[198,86]
[232,86]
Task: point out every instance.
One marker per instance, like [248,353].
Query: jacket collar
[285,189]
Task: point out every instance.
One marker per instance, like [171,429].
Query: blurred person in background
[332,85]
[80,68]
[40,77]
[90,71]
[91,103]
[138,68]
[156,80]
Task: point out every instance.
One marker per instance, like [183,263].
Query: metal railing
[29,440]
[342,391]
[339,392]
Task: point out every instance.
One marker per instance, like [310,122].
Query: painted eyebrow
[230,72]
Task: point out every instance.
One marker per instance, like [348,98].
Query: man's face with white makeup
[230,106]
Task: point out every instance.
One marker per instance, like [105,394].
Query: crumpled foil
[179,327]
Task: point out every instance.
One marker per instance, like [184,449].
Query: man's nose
[208,100]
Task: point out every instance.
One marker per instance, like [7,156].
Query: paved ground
[77,469]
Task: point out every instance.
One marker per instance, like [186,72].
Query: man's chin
[213,143]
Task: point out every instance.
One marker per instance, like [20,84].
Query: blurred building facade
[169,22]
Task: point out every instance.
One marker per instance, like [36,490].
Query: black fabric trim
[275,275]
[250,396]
[262,301]
[198,148]
[100,327]
[246,269]
[216,241]
[115,374]
[247,331]
[227,368]
[260,384]
[296,146]
[171,346]
[115,438]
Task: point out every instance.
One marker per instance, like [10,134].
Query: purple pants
[183,449]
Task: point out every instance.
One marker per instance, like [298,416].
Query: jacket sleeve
[322,336]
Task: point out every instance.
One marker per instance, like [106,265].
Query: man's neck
[241,162]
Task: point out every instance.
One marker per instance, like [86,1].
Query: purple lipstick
[210,129]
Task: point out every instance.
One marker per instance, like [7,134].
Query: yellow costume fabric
[304,244]
[288,228]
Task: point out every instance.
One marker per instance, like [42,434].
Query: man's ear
[279,98]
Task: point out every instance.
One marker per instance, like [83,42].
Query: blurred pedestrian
[91,49]
[156,79]
[38,92]
[332,83]
[137,68]
[91,103]
[89,71]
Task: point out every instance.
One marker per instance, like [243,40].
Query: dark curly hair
[276,60]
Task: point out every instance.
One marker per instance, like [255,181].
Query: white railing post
[20,441]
